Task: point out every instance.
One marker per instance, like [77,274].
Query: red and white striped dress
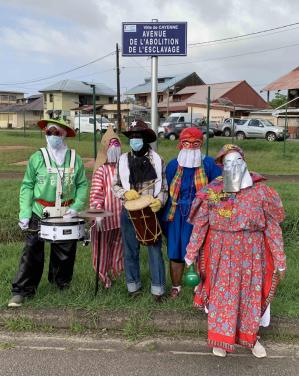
[111,253]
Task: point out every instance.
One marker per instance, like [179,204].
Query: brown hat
[147,134]
[104,144]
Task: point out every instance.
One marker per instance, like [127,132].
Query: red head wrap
[191,138]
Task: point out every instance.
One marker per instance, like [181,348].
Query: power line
[232,56]
[244,35]
[58,74]
[244,39]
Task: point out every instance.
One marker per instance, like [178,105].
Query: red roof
[288,81]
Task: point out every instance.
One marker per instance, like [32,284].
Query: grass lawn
[262,156]
[80,295]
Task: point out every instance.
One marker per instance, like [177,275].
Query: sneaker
[174,293]
[259,351]
[16,301]
[219,352]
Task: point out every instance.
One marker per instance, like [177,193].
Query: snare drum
[62,230]
[145,221]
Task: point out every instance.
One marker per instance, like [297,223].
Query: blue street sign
[154,39]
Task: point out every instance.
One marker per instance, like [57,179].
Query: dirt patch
[14,147]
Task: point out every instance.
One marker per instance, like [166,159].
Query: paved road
[40,355]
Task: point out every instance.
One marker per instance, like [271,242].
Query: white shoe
[219,352]
[259,351]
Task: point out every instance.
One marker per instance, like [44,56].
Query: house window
[3,98]
[13,98]
[160,98]
[110,100]
[51,98]
[97,97]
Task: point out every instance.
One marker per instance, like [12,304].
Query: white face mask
[235,173]
[113,154]
[189,158]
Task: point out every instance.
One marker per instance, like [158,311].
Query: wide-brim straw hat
[148,135]
[70,132]
[104,144]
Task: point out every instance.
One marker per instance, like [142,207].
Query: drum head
[140,203]
[62,221]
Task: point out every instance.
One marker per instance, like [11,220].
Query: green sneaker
[16,301]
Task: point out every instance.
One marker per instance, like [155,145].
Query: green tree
[278,100]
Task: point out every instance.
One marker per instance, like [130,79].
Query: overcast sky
[40,38]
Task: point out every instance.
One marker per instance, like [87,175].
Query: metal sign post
[154,95]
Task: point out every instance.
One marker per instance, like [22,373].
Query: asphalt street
[43,355]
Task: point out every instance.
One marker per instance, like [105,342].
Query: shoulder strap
[73,159]
[46,158]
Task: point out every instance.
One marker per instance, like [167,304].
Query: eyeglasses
[53,132]
[191,144]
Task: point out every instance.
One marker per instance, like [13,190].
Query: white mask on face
[56,146]
[113,154]
[235,173]
[189,158]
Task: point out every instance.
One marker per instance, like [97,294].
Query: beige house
[10,97]
[26,113]
[61,97]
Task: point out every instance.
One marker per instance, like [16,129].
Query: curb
[153,321]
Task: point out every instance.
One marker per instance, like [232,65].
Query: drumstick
[148,186]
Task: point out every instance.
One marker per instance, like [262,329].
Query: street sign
[154,39]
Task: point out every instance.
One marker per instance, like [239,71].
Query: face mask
[136,143]
[113,154]
[189,158]
[55,142]
[234,169]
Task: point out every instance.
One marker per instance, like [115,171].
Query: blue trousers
[131,259]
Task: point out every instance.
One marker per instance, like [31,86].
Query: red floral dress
[242,247]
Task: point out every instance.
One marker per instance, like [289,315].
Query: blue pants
[131,259]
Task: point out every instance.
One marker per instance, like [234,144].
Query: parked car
[177,117]
[172,131]
[86,124]
[226,127]
[213,125]
[259,128]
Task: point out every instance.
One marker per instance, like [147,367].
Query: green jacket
[39,184]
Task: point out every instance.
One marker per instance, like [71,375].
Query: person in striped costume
[185,175]
[101,197]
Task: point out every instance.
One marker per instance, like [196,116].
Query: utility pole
[154,93]
[94,120]
[118,90]
[208,120]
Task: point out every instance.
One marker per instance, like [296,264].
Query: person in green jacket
[38,191]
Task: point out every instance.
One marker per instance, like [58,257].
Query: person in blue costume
[185,175]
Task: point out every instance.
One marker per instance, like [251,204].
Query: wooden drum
[145,221]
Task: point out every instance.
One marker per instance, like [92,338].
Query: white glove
[24,223]
[70,213]
[187,261]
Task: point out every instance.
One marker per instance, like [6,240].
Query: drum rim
[79,221]
[147,200]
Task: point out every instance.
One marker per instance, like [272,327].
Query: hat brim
[148,135]
[70,132]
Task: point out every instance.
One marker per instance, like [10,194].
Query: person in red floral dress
[241,257]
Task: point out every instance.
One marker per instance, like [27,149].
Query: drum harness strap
[60,171]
